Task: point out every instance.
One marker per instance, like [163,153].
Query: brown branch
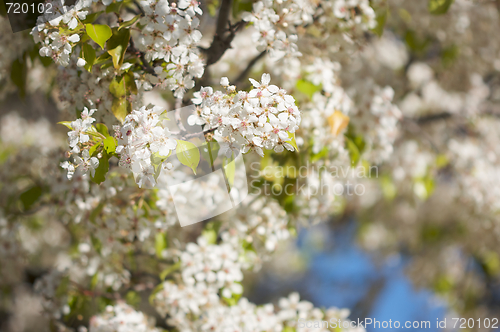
[223,18]
[222,40]
[239,81]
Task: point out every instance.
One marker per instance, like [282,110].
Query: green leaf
[117,87]
[292,141]
[354,153]
[30,196]
[160,244]
[94,280]
[122,86]
[416,44]
[155,291]
[92,17]
[117,45]
[229,169]
[188,154]
[126,24]
[382,14]
[157,161]
[307,88]
[114,7]
[439,7]
[93,150]
[169,270]
[101,128]
[130,85]
[88,54]
[209,151]
[120,108]
[18,72]
[66,123]
[102,169]
[210,235]
[110,145]
[103,58]
[99,33]
[241,6]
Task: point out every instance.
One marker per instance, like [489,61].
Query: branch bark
[222,40]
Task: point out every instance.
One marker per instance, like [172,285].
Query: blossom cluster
[144,134]
[80,144]
[215,265]
[264,118]
[268,34]
[170,34]
[56,30]
[209,313]
[375,106]
[122,318]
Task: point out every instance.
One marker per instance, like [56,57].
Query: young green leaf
[88,54]
[99,33]
[188,154]
[101,128]
[103,58]
[229,169]
[120,108]
[157,160]
[102,169]
[110,145]
[307,88]
[114,7]
[66,123]
[439,7]
[354,153]
[92,17]
[160,244]
[117,45]
[292,141]
[126,24]
[117,87]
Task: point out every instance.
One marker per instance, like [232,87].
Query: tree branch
[223,18]
[222,41]
[239,81]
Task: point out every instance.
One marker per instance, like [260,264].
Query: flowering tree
[401,94]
